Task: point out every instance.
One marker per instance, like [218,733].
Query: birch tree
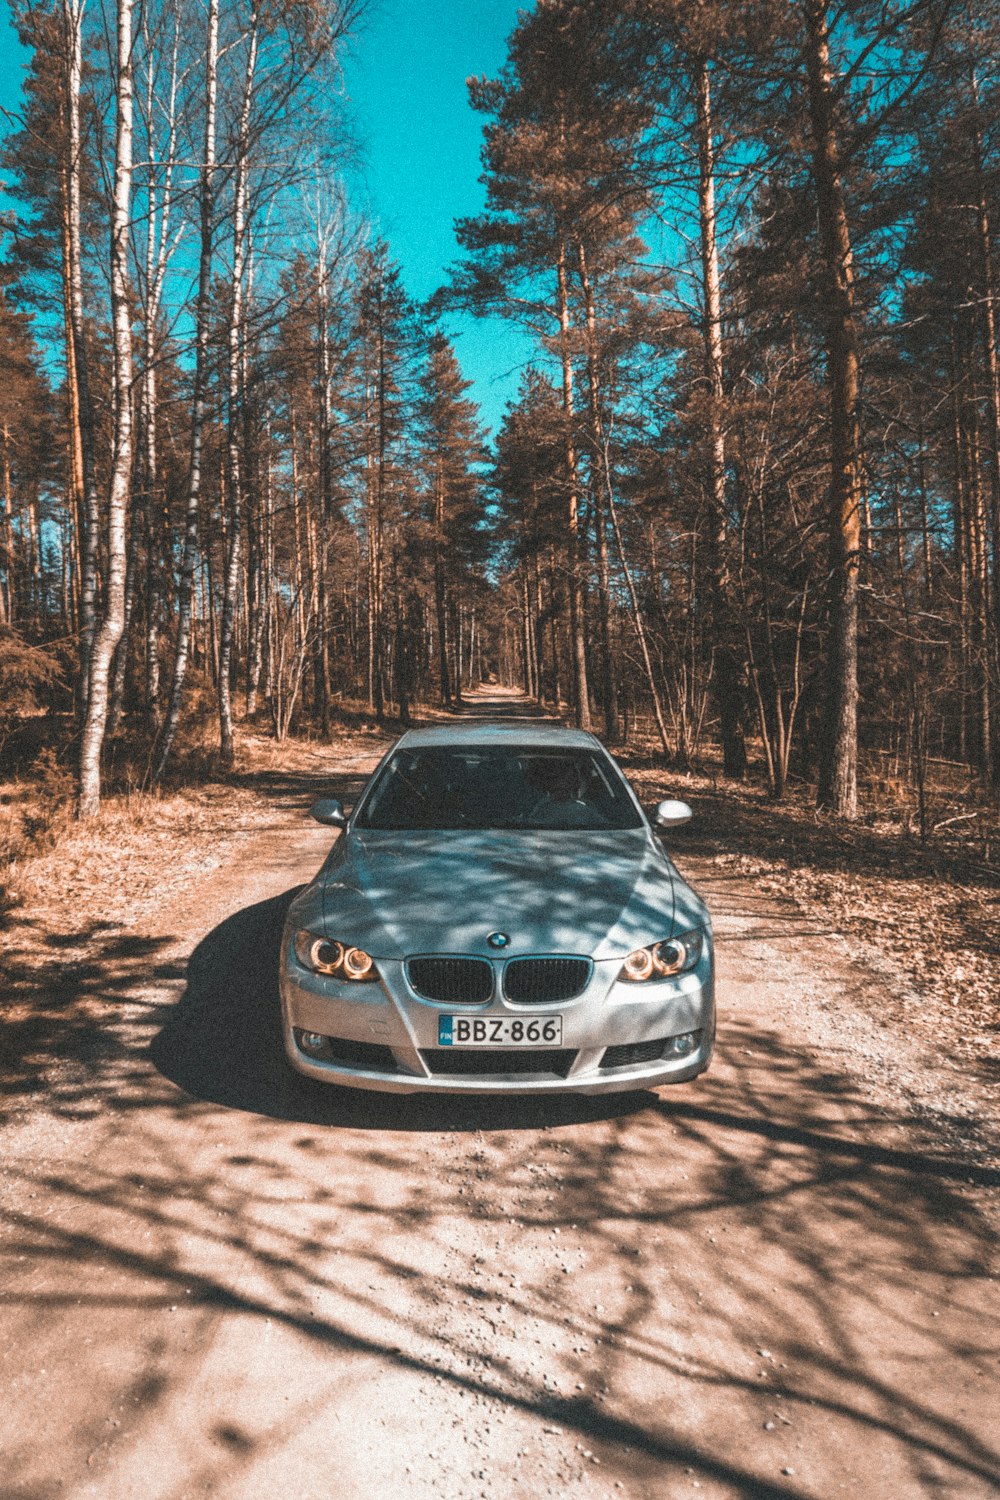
[199,403]
[110,628]
[235,395]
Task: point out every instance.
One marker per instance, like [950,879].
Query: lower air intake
[498,1062]
[368,1055]
[631,1054]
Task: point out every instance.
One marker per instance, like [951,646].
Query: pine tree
[451,445]
[386,333]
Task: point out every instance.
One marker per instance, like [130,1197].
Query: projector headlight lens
[676,955]
[325,955]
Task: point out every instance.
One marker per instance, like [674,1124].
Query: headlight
[327,956]
[676,955]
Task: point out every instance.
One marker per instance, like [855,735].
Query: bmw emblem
[498,940]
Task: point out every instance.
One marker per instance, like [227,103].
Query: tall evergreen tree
[451,445]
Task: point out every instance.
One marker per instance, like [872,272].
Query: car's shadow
[222,1043]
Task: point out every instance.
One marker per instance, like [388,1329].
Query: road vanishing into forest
[220,1279]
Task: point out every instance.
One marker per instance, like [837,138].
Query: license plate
[500,1031]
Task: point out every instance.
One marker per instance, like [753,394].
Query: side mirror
[329,811]
[671,814]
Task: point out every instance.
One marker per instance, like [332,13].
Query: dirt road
[218,1279]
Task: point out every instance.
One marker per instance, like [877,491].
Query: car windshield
[446,787]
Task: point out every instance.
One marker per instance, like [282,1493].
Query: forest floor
[780,1280]
[922,921]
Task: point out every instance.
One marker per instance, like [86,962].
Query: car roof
[503,732]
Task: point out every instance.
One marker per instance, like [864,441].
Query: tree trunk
[262,580]
[235,395]
[6,536]
[838,788]
[525,603]
[577,624]
[185,607]
[984,236]
[83,440]
[729,664]
[637,620]
[75,496]
[608,712]
[325,477]
[109,633]
[538,633]
[979,570]
[158,243]
[119,669]
[440,592]
[154,561]
[376,515]
[960,552]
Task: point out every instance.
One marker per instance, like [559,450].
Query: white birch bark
[72,14]
[110,629]
[234,414]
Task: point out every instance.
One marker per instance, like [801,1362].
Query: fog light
[311,1041]
[682,1046]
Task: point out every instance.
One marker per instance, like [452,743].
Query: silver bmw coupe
[498,916]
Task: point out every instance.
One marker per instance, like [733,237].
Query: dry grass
[922,916]
[110,871]
[146,839]
[77,881]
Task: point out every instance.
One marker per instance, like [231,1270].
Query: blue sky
[11,59]
[405,77]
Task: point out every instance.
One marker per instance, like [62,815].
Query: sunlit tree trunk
[119,665]
[81,408]
[729,670]
[577,623]
[75,496]
[608,712]
[189,569]
[234,416]
[109,632]
[440,599]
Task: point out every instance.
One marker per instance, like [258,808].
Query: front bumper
[385,1037]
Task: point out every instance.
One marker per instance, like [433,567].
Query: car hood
[600,894]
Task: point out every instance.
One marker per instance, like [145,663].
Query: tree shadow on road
[758,1248]
[74,1003]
